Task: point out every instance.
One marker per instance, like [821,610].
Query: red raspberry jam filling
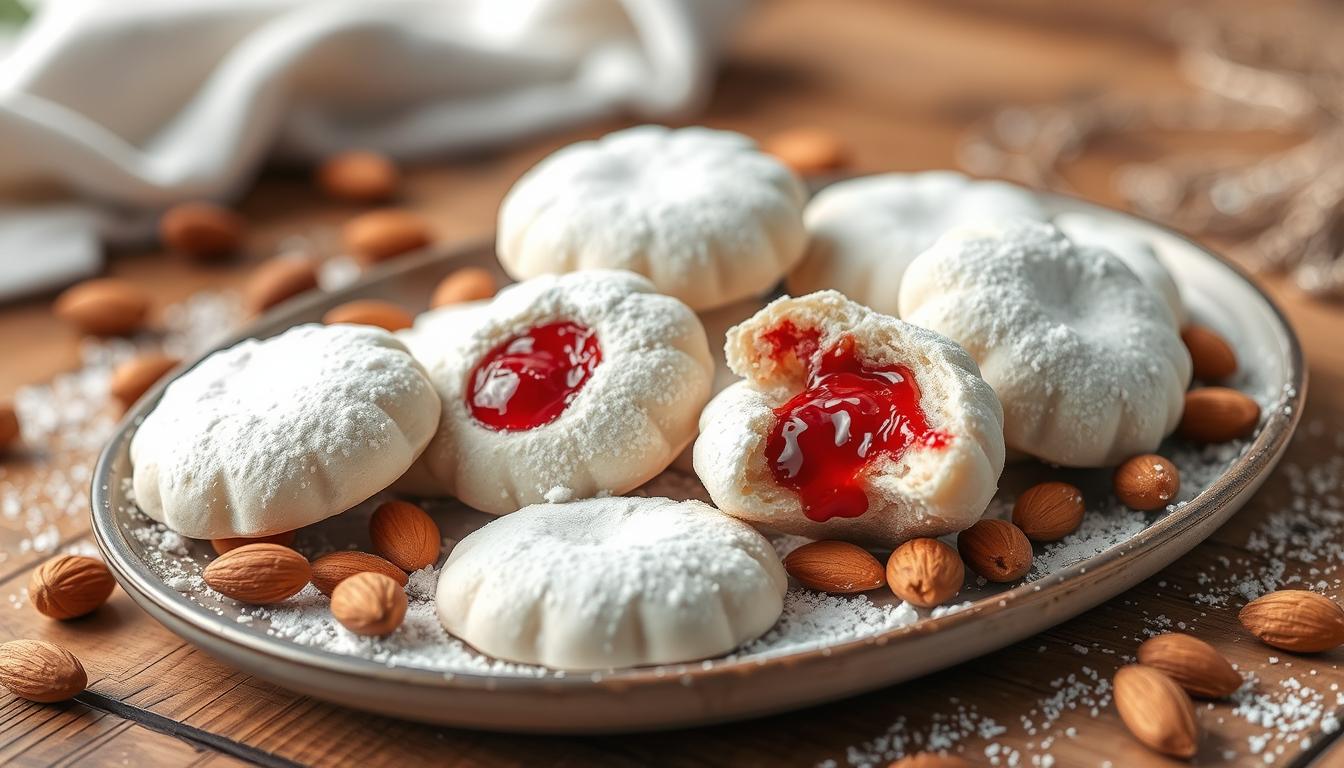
[529,380]
[848,415]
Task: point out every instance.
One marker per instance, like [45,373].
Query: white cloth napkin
[112,110]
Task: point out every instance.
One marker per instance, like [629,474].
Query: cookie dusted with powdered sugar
[850,424]
[1137,253]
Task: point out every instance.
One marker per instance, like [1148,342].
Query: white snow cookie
[850,425]
[563,388]
[269,436]
[614,582]
[866,231]
[1085,358]
[702,213]
[1137,253]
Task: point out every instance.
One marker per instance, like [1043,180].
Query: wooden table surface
[900,81]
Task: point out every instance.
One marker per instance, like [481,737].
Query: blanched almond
[466,284]
[1146,483]
[381,314]
[104,307]
[1217,415]
[134,377]
[835,566]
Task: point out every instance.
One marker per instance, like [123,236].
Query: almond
[330,570]
[1211,357]
[369,604]
[40,671]
[382,314]
[930,760]
[1195,665]
[996,549]
[808,151]
[9,425]
[1049,511]
[381,235]
[835,566]
[466,284]
[201,230]
[1156,710]
[278,279]
[405,535]
[359,177]
[134,377]
[68,586]
[104,307]
[1217,415]
[925,572]
[258,573]
[284,539]
[1146,483]
[1295,620]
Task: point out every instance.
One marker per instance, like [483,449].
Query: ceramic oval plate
[824,647]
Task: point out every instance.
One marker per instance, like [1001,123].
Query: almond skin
[1147,482]
[134,377]
[925,572]
[258,573]
[930,760]
[202,231]
[278,279]
[40,671]
[807,151]
[996,549]
[284,539]
[68,586]
[359,177]
[369,604]
[104,307]
[1217,415]
[405,535]
[381,235]
[1049,511]
[1295,620]
[1195,665]
[1156,710]
[835,566]
[9,425]
[1211,357]
[381,314]
[330,570]
[466,284]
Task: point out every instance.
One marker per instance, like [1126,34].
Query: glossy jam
[529,380]
[847,417]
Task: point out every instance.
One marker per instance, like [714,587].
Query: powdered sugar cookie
[702,213]
[866,231]
[1085,358]
[565,387]
[614,582]
[1134,251]
[436,328]
[850,424]
[269,436]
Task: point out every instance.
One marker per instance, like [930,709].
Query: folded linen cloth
[112,110]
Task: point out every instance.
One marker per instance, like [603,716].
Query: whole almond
[278,279]
[996,549]
[1217,415]
[1195,665]
[1049,511]
[284,539]
[808,151]
[104,307]
[925,572]
[466,284]
[1146,483]
[9,425]
[381,235]
[1156,710]
[835,566]
[359,177]
[369,604]
[1211,357]
[258,573]
[405,535]
[68,586]
[1295,620]
[134,377]
[330,570]
[201,230]
[382,314]
[930,760]
[40,671]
